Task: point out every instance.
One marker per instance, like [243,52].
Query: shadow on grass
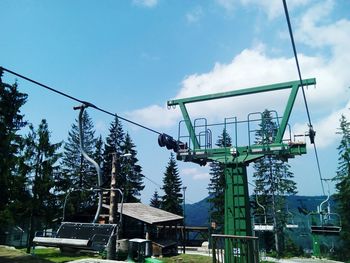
[10,254]
[22,258]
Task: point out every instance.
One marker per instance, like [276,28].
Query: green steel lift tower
[196,147]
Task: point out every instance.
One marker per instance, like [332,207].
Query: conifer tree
[114,142]
[77,173]
[172,198]
[11,121]
[217,184]
[155,200]
[131,172]
[343,182]
[40,157]
[99,151]
[273,179]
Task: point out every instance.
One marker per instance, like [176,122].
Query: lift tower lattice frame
[236,159]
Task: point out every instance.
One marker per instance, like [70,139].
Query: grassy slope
[12,255]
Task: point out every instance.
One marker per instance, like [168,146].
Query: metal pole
[184,220]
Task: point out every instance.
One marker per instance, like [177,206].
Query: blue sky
[131,56]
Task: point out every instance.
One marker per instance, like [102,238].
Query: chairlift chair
[262,225]
[260,220]
[324,221]
[77,235]
[290,224]
[328,223]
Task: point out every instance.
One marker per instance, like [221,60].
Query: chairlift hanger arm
[88,158]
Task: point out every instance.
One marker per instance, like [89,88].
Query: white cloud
[272,8]
[227,4]
[146,3]
[326,128]
[155,116]
[149,57]
[101,126]
[195,15]
[253,67]
[313,31]
[195,173]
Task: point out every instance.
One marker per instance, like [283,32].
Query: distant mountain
[197,213]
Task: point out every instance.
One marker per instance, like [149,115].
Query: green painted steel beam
[245,155]
[316,248]
[189,125]
[293,85]
[235,93]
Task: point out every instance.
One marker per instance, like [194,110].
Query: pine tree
[343,182]
[11,121]
[273,179]
[131,172]
[172,198]
[156,200]
[99,150]
[77,172]
[216,187]
[40,157]
[114,142]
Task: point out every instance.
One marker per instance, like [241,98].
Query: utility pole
[184,220]
[113,209]
[113,205]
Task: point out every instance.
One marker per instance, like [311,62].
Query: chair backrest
[83,230]
[98,234]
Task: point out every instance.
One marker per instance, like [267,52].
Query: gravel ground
[301,260]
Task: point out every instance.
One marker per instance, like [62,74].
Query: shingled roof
[147,214]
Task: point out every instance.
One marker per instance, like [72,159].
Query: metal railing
[235,249]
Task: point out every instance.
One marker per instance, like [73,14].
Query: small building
[143,221]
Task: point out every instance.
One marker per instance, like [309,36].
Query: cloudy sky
[130,57]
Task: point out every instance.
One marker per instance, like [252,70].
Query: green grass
[54,255]
[188,258]
[11,255]
[46,255]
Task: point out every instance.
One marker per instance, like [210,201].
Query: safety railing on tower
[244,249]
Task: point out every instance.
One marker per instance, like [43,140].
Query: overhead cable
[296,60]
[311,130]
[87,104]
[78,100]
